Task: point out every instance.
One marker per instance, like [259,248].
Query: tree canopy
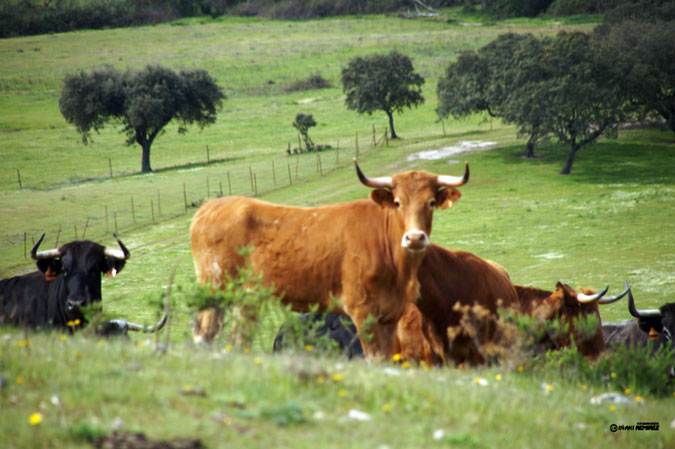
[553,86]
[143,102]
[642,55]
[385,82]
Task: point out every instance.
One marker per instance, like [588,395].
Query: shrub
[314,81]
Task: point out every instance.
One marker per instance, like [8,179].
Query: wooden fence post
[229,184]
[110,167]
[255,184]
[86,225]
[274,174]
[250,174]
[152,210]
[208,157]
[133,211]
[374,138]
[356,140]
[18,175]
[185,198]
[290,179]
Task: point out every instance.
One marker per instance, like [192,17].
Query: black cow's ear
[114,266]
[50,267]
[383,197]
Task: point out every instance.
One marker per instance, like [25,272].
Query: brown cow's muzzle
[415,241]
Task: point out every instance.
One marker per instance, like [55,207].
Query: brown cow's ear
[445,198]
[383,197]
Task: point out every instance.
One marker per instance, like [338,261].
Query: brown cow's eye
[432,202]
[397,203]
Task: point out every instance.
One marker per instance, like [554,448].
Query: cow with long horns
[364,254]
[68,278]
[567,306]
[655,325]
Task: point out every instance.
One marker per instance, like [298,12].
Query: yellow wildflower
[20,380]
[35,419]
[639,399]
[386,408]
[405,365]
[309,348]
[613,375]
[258,361]
[342,393]
[498,377]
[321,379]
[338,377]
[612,408]
[396,357]
[23,343]
[626,391]
[228,347]
[521,368]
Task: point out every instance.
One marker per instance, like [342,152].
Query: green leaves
[144,101]
[385,82]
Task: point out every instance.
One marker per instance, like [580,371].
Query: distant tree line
[29,17]
[572,87]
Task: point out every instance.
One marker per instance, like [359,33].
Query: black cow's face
[660,329]
[80,266]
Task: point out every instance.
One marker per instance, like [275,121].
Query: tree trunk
[570,159]
[391,124]
[145,164]
[529,149]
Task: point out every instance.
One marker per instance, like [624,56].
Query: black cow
[317,329]
[68,278]
[657,325]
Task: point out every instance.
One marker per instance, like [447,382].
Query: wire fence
[154,206]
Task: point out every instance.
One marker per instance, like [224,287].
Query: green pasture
[611,220]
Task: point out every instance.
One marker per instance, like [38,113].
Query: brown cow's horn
[383,182]
[640,313]
[148,329]
[612,299]
[116,253]
[47,254]
[583,298]
[454,181]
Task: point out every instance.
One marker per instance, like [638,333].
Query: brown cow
[566,305]
[448,278]
[363,253]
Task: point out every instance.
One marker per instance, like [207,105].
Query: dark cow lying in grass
[656,325]
[68,279]
[317,329]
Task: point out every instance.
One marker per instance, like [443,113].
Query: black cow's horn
[612,299]
[47,254]
[383,182]
[148,329]
[584,298]
[454,181]
[116,253]
[640,313]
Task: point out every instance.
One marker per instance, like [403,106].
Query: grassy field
[611,219]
